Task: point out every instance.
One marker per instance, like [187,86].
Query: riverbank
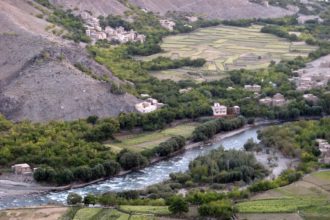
[42,190]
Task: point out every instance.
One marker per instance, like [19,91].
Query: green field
[111,214]
[147,140]
[157,210]
[226,48]
[307,197]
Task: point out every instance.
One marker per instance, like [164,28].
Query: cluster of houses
[149,105]
[324,147]
[277,100]
[119,34]
[315,75]
[222,110]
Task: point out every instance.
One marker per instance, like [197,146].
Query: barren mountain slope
[97,7]
[221,9]
[39,82]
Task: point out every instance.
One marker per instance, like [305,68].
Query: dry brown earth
[38,80]
[221,9]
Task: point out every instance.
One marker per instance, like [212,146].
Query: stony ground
[221,9]
[38,80]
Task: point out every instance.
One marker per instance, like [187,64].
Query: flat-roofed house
[21,169]
[219,110]
[278,100]
[266,101]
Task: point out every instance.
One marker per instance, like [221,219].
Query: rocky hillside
[221,9]
[38,79]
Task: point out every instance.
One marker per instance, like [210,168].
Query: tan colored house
[253,88]
[21,169]
[311,98]
[148,106]
[266,101]
[278,100]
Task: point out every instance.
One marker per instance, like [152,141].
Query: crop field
[147,140]
[307,196]
[158,210]
[108,214]
[226,48]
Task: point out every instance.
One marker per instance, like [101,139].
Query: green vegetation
[307,195]
[223,209]
[298,139]
[225,48]
[100,214]
[73,24]
[279,205]
[178,205]
[157,210]
[222,166]
[148,140]
[208,129]
[163,63]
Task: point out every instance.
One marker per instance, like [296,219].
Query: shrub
[177,205]
[73,199]
[223,210]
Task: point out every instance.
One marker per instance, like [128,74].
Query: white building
[148,106]
[21,169]
[219,110]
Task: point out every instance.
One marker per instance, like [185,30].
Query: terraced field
[226,48]
[308,197]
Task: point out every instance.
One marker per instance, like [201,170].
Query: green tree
[73,199]
[177,205]
[90,199]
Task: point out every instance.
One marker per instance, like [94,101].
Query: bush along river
[150,175]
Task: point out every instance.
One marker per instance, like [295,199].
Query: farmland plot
[226,48]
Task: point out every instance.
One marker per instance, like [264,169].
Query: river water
[150,175]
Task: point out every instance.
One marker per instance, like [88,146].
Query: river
[150,175]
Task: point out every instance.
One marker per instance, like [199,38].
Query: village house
[148,106]
[168,24]
[182,91]
[219,110]
[253,88]
[324,147]
[21,169]
[311,98]
[236,110]
[266,101]
[278,100]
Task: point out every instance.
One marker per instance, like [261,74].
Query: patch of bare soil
[49,213]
